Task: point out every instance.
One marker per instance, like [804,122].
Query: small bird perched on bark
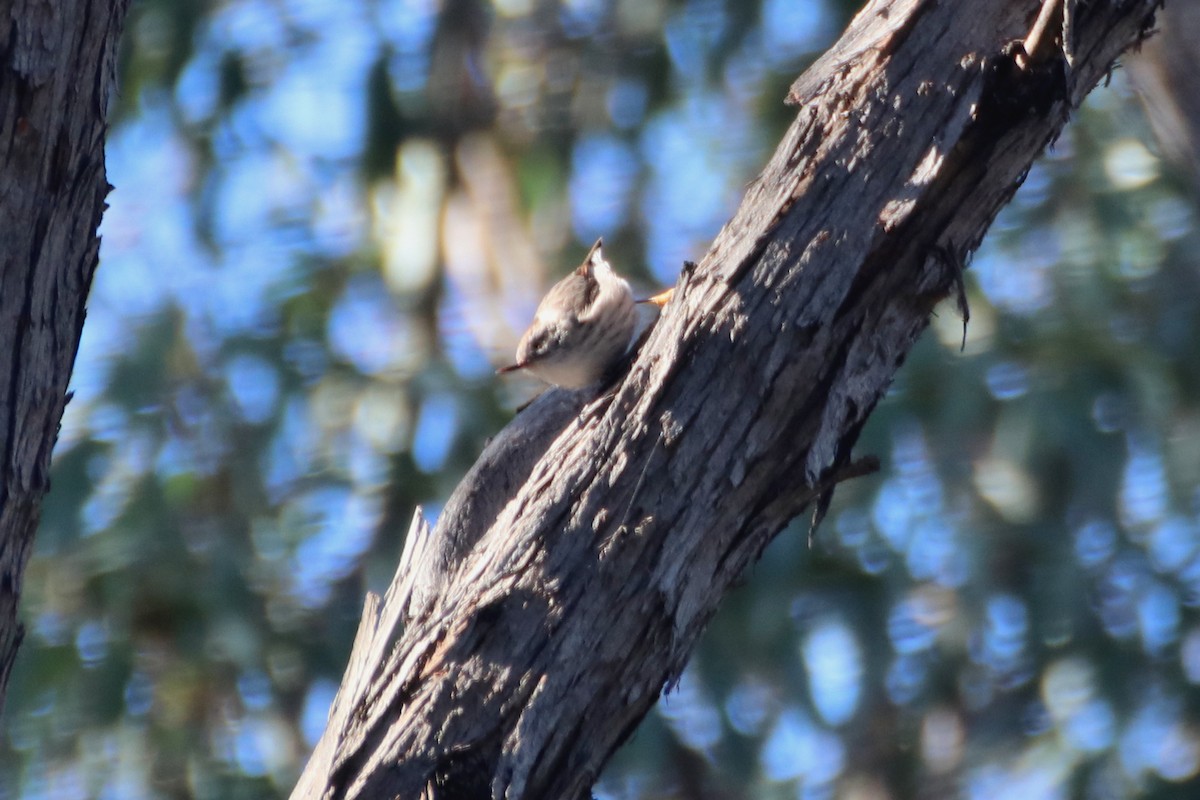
[581,328]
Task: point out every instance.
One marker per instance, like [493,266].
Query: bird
[582,327]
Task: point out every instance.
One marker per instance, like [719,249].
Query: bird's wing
[568,299]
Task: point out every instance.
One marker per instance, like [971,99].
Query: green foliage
[332,221]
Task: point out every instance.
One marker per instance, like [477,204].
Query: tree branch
[541,639]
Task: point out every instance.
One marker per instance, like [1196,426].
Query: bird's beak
[661,298]
[509,368]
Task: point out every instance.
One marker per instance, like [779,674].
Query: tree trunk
[573,571]
[57,74]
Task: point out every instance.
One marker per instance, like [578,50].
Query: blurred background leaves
[331,222]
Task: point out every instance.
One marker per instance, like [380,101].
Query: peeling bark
[534,644]
[57,73]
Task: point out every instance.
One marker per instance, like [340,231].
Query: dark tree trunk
[57,73]
[574,569]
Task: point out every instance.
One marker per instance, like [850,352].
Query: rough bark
[57,73]
[533,645]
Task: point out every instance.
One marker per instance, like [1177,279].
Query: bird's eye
[539,342]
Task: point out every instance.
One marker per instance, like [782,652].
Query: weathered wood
[547,638]
[375,633]
[57,74]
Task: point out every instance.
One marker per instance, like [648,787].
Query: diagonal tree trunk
[57,74]
[574,569]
